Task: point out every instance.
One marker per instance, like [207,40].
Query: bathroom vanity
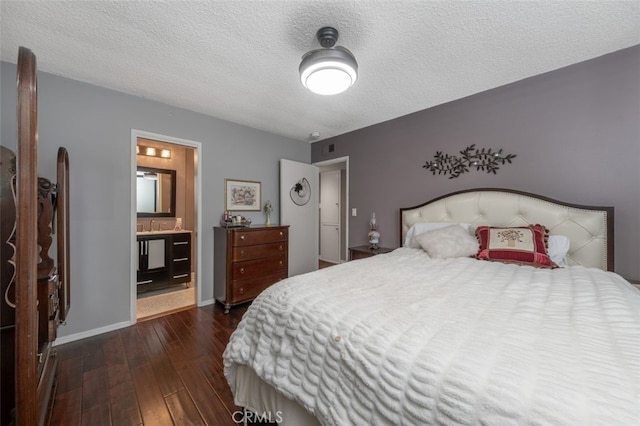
[164,259]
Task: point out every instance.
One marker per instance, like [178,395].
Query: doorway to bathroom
[165,217]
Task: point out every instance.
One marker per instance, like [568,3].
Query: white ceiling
[238,60]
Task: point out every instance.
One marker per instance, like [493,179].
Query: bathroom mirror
[156,192]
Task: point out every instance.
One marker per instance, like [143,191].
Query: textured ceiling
[238,60]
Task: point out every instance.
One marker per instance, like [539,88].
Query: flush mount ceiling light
[330,70]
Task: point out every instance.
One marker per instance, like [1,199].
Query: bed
[406,338]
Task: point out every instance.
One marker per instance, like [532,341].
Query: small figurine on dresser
[268,209]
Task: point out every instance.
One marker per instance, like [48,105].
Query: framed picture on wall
[242,195]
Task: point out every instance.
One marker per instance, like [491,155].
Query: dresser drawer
[180,277]
[182,250]
[259,267]
[180,265]
[262,236]
[181,245]
[259,251]
[241,290]
[154,278]
[181,238]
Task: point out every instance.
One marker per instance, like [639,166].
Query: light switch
[354,212]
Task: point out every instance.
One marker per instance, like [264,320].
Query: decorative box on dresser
[247,260]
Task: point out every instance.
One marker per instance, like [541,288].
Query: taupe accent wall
[575,131]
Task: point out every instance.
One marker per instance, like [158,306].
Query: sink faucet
[151,225]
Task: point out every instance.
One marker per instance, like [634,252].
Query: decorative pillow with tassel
[524,245]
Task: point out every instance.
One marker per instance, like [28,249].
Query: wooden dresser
[247,260]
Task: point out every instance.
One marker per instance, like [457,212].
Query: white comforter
[404,339]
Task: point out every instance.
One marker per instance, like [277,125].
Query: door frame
[197,146]
[345,227]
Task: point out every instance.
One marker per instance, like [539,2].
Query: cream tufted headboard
[590,229]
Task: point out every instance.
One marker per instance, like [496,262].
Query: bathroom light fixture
[152,151]
[330,70]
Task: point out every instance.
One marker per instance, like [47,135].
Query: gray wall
[576,133]
[95,124]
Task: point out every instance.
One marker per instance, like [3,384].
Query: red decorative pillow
[524,245]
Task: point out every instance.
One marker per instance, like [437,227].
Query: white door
[330,216]
[299,210]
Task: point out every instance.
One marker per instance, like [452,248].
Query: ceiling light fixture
[330,70]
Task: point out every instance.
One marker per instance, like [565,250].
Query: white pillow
[421,227]
[451,241]
[558,248]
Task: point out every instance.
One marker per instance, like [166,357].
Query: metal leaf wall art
[483,159]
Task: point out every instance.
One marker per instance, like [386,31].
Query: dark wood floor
[324,264]
[163,371]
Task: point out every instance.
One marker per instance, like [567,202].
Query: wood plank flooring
[165,371]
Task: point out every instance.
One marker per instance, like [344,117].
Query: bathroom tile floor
[162,302]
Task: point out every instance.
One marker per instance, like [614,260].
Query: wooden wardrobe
[35,287]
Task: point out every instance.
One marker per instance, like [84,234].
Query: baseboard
[90,333]
[94,332]
[332,261]
[206,302]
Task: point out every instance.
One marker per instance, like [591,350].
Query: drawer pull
[281,234]
[242,237]
[181,259]
[281,263]
[241,290]
[242,270]
[241,252]
[280,247]
[180,243]
[144,282]
[181,276]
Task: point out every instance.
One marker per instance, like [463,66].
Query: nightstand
[360,252]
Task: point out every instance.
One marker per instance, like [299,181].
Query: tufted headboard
[589,228]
